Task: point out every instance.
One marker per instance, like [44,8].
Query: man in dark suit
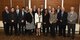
[42,12]
[5,15]
[13,21]
[22,22]
[18,12]
[34,10]
[58,10]
[62,18]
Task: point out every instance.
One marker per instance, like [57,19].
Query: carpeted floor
[33,37]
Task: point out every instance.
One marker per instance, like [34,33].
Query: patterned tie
[22,13]
[39,18]
[62,14]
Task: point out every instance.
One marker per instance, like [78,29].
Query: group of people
[51,20]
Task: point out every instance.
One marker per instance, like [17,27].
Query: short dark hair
[23,7]
[12,7]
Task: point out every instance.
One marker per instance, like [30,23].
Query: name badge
[22,21]
[12,20]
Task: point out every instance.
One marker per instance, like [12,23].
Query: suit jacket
[72,17]
[17,16]
[13,17]
[22,17]
[5,17]
[63,18]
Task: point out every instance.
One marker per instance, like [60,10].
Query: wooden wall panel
[54,3]
[3,3]
[26,2]
[69,3]
[38,3]
[21,3]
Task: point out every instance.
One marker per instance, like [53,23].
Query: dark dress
[46,23]
[62,25]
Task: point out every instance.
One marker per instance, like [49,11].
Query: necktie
[17,11]
[22,13]
[62,14]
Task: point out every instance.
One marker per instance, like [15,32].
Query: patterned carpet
[33,37]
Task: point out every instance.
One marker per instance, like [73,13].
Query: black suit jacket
[13,17]
[22,17]
[5,17]
[63,18]
[17,16]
